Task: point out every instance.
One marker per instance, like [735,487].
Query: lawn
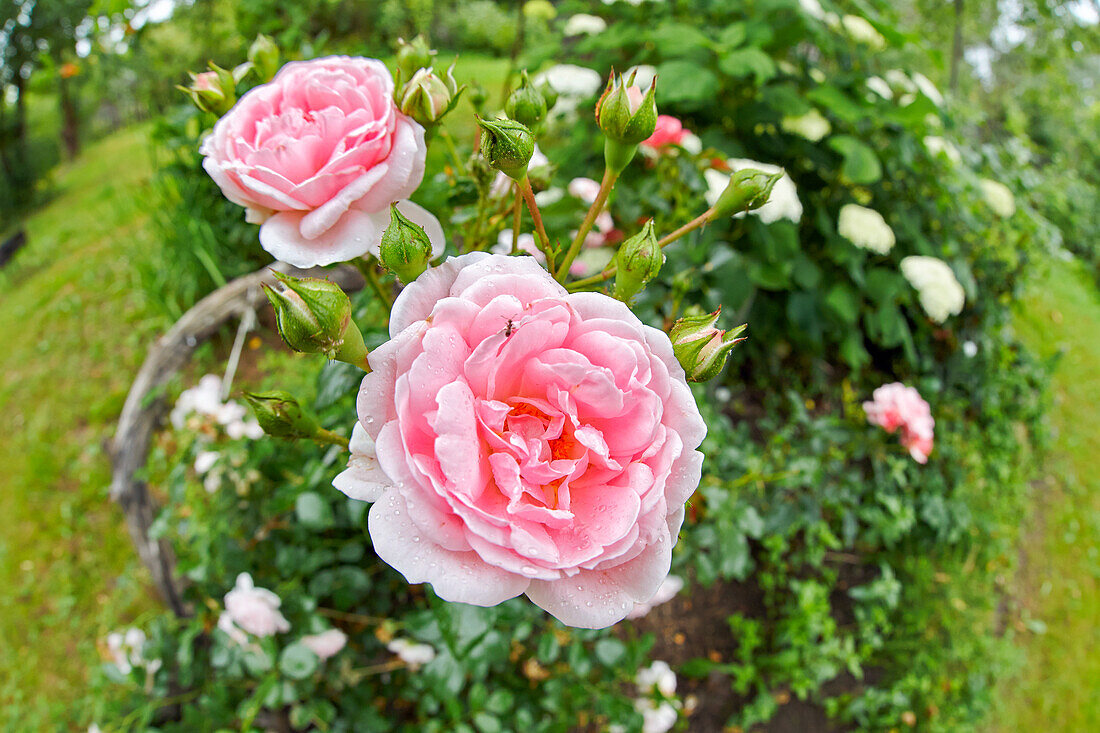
[1059,582]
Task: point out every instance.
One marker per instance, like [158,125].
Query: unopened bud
[280,415]
[550,94]
[507,145]
[701,348]
[526,104]
[405,249]
[748,189]
[627,117]
[314,317]
[264,56]
[412,56]
[478,96]
[638,261]
[426,97]
[213,91]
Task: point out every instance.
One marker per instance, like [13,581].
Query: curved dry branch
[145,408]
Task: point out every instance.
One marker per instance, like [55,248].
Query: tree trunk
[70,120]
[957,46]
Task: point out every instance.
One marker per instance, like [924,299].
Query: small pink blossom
[585,189]
[255,610]
[413,654]
[895,406]
[326,644]
[669,131]
[316,156]
[528,440]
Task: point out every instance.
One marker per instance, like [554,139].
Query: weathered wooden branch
[145,409]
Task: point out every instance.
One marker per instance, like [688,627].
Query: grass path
[75,329]
[1059,585]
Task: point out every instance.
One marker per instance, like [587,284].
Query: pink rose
[669,131]
[256,610]
[326,644]
[206,81]
[896,406]
[528,440]
[316,155]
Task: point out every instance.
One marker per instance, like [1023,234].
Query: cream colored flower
[865,228]
[999,197]
[862,31]
[813,126]
[879,86]
[583,24]
[938,290]
[937,146]
[927,88]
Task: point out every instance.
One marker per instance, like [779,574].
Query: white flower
[812,8]
[656,718]
[127,651]
[411,653]
[526,243]
[256,610]
[937,146]
[244,429]
[583,24]
[865,228]
[326,644]
[670,586]
[813,126]
[817,75]
[225,623]
[939,291]
[863,32]
[999,197]
[691,143]
[879,86]
[585,189]
[94,728]
[657,676]
[572,83]
[722,394]
[644,75]
[970,349]
[205,460]
[898,78]
[635,3]
[927,88]
[549,197]
[782,204]
[205,399]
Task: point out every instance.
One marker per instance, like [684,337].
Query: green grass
[1059,584]
[75,329]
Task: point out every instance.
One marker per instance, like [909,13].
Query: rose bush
[316,156]
[528,440]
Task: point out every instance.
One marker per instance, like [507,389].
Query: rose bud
[314,317]
[426,97]
[550,94]
[700,347]
[405,249]
[627,117]
[264,57]
[638,261]
[212,91]
[478,97]
[526,104]
[507,145]
[280,415]
[747,190]
[412,56]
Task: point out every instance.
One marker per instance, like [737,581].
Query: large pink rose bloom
[316,156]
[895,406]
[516,438]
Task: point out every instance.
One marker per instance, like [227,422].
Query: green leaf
[748,61]
[297,662]
[844,302]
[836,101]
[313,511]
[487,723]
[679,39]
[732,36]
[861,165]
[609,651]
[685,83]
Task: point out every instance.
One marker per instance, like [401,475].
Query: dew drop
[588,603]
[528,570]
[416,539]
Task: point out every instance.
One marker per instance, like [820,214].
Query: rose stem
[663,242]
[606,185]
[460,166]
[544,241]
[372,279]
[327,436]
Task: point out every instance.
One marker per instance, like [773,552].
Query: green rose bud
[638,261]
[627,117]
[264,56]
[701,348]
[526,104]
[426,97]
[478,97]
[405,249]
[280,415]
[213,91]
[748,189]
[550,94]
[507,145]
[314,317]
[412,56]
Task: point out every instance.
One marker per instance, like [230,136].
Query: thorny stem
[529,197]
[609,178]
